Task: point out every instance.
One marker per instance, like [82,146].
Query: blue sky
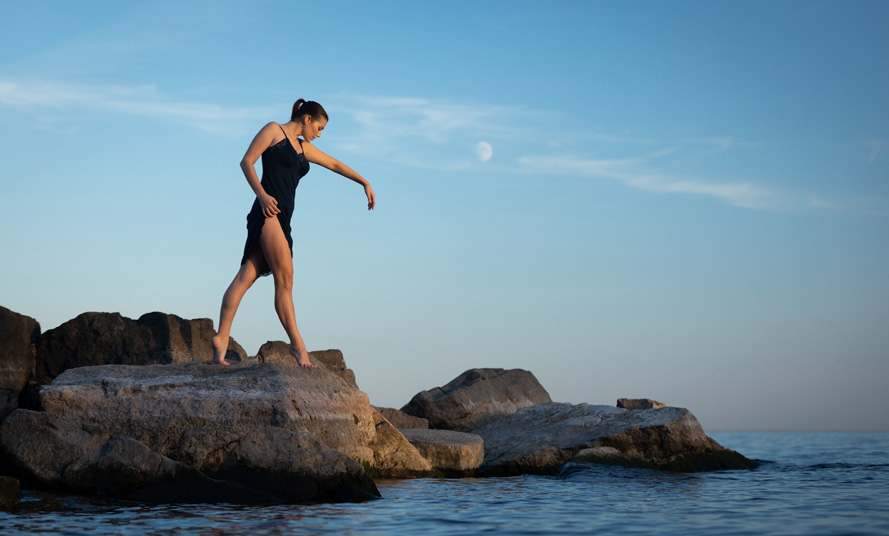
[686,201]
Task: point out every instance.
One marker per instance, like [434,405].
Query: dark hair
[303,107]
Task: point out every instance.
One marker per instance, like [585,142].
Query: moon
[484,151]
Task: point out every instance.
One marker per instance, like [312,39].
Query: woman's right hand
[269,205]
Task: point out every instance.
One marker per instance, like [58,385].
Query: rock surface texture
[19,336]
[55,452]
[454,454]
[477,397]
[540,439]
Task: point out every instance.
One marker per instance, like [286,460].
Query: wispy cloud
[424,133]
[44,97]
[632,173]
[443,134]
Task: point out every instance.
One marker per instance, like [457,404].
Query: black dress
[282,168]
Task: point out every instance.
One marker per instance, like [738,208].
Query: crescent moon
[484,151]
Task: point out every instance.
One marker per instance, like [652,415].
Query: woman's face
[312,129]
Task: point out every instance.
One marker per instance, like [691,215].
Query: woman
[269,248]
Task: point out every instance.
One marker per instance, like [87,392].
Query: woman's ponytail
[303,107]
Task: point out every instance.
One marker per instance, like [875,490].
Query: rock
[394,455]
[54,452]
[454,454]
[194,412]
[10,492]
[109,338]
[401,420]
[296,467]
[540,439]
[332,360]
[639,403]
[19,335]
[477,397]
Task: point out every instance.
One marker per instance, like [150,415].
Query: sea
[807,484]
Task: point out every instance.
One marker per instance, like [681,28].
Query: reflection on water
[826,484]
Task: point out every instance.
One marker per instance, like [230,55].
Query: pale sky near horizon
[686,201]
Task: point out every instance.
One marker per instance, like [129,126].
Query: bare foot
[219,349]
[302,358]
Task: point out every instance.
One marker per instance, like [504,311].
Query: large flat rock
[540,439]
[191,412]
[196,412]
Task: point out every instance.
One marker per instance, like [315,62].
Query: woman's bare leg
[247,275]
[277,255]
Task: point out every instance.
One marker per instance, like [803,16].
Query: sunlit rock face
[476,398]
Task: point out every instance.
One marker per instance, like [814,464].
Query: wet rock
[401,420]
[10,492]
[332,360]
[109,338]
[540,439]
[19,336]
[454,454]
[477,397]
[394,455]
[639,403]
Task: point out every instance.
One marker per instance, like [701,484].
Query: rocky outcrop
[332,360]
[109,338]
[477,397]
[639,403]
[402,420]
[19,336]
[394,455]
[453,454]
[540,439]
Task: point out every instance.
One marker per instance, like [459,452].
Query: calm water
[814,484]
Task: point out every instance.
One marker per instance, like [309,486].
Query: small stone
[639,403]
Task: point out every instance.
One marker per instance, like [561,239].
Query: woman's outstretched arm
[315,156]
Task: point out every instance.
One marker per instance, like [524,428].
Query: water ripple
[816,484]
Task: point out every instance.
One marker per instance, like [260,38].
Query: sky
[684,201]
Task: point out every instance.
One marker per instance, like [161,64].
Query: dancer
[269,248]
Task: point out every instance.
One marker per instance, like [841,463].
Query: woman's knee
[283,277]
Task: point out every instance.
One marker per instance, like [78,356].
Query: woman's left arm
[315,156]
